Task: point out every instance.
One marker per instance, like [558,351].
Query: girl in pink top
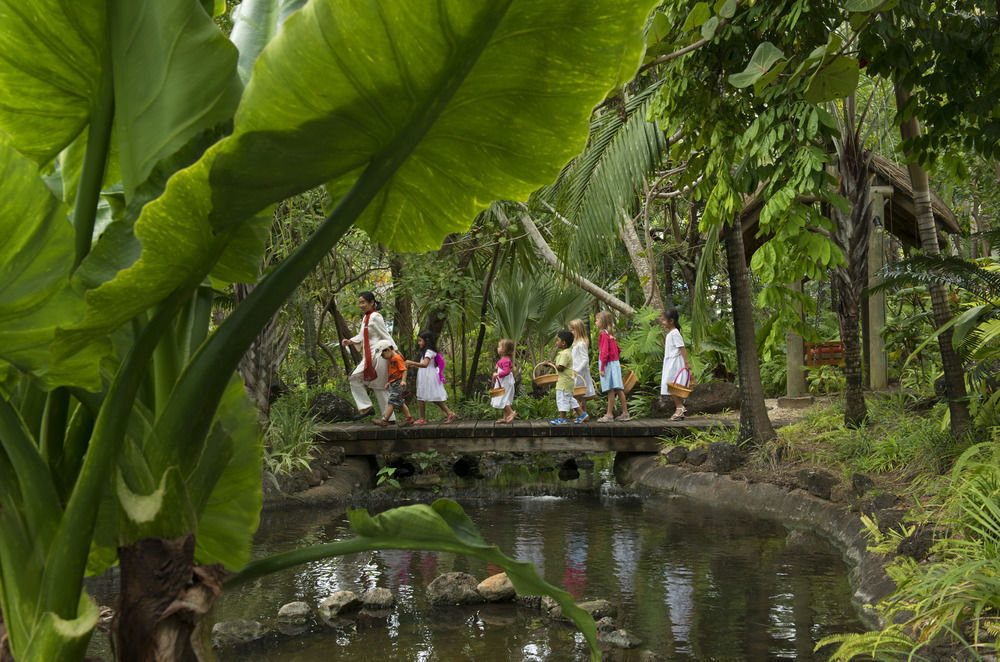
[611,370]
[504,376]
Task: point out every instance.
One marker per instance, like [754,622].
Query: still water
[691,581]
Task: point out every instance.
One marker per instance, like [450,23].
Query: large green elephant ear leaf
[255,23]
[475,100]
[50,70]
[36,253]
[447,105]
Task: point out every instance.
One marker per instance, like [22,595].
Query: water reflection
[692,582]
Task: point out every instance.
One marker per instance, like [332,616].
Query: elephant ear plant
[137,168]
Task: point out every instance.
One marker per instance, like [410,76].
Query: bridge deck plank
[521,436]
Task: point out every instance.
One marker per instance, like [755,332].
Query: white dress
[581,364]
[429,386]
[507,381]
[673,362]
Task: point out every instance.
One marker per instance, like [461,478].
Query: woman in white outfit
[676,368]
[372,371]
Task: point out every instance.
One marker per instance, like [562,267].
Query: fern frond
[981,283]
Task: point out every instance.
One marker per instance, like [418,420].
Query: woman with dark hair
[372,372]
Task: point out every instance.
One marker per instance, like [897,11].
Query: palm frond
[982,283]
[623,150]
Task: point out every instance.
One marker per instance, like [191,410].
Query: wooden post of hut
[878,370]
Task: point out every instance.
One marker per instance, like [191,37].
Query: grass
[290,434]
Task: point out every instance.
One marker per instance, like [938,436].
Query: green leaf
[697,16]
[255,23]
[442,526]
[862,5]
[834,80]
[726,8]
[708,29]
[50,71]
[55,638]
[230,508]
[174,77]
[769,77]
[465,118]
[36,254]
[760,63]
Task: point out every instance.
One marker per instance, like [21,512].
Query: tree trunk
[481,335]
[402,328]
[259,365]
[954,375]
[351,356]
[601,295]
[851,236]
[755,426]
[640,262]
[437,317]
[164,598]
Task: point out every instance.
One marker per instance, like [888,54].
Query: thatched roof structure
[900,216]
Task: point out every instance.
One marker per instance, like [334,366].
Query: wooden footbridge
[636,436]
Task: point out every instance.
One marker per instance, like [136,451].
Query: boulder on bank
[697,456]
[816,482]
[675,454]
[331,408]
[339,603]
[724,456]
[711,398]
[620,639]
[294,613]
[496,588]
[236,631]
[454,588]
[378,598]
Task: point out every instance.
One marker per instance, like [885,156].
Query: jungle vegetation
[193,193]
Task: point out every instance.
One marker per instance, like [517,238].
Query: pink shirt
[504,366]
[607,349]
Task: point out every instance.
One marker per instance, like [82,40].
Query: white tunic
[581,364]
[673,362]
[429,386]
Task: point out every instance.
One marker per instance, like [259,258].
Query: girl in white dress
[676,368]
[430,379]
[504,376]
[581,364]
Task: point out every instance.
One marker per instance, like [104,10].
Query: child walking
[430,379]
[676,368]
[581,364]
[395,385]
[565,402]
[611,371]
[504,376]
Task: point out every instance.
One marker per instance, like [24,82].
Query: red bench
[824,353]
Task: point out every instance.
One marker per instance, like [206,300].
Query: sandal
[606,419]
[451,417]
[559,421]
[581,418]
[420,421]
[678,416]
[408,421]
[510,419]
[381,421]
[623,418]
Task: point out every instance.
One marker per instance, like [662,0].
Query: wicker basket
[579,391]
[545,379]
[628,379]
[497,390]
[678,390]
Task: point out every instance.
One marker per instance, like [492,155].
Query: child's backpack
[439,362]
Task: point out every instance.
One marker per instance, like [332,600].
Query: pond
[693,582]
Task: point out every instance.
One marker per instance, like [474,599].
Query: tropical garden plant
[140,151]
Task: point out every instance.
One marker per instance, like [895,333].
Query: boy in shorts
[396,384]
